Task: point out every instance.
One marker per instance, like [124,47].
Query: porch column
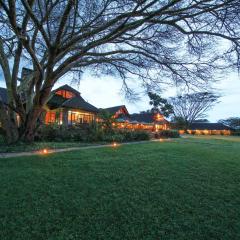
[65,117]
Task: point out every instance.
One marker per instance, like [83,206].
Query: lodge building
[67,107]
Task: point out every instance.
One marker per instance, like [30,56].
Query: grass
[185,189]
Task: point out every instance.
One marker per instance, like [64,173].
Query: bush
[59,133]
[1,131]
[88,133]
[115,137]
[135,135]
[126,136]
[167,134]
[141,135]
[235,133]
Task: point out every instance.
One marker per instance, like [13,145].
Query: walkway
[50,151]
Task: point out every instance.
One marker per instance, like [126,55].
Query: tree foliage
[233,122]
[160,104]
[158,42]
[107,120]
[190,107]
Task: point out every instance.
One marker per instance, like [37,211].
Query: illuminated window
[50,117]
[65,94]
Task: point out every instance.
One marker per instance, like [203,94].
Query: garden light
[45,151]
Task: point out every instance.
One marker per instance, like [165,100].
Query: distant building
[207,128]
[142,121]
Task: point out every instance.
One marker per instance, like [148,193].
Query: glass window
[50,117]
[65,94]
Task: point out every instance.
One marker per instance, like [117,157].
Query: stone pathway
[50,151]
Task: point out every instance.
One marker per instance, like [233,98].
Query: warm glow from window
[65,94]
[75,117]
[50,117]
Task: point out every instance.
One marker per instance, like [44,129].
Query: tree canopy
[233,122]
[158,42]
[189,107]
[160,104]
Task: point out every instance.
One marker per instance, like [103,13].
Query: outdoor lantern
[45,151]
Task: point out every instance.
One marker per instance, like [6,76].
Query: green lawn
[184,189]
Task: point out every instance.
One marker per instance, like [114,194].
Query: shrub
[1,131]
[167,134]
[115,137]
[235,133]
[129,135]
[2,139]
[141,135]
[88,133]
[60,133]
[125,136]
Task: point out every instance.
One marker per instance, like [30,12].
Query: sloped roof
[146,118]
[67,88]
[3,94]
[209,126]
[56,101]
[113,110]
[79,103]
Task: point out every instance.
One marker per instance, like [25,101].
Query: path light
[45,151]
[114,144]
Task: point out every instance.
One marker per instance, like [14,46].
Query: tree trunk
[31,125]
[9,125]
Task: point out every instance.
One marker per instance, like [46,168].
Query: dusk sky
[106,92]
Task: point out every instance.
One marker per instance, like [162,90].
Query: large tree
[189,107]
[233,122]
[157,41]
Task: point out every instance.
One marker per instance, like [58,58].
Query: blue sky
[105,92]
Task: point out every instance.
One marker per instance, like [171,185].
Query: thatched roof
[79,103]
[146,118]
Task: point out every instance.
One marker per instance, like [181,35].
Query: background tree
[201,120]
[160,104]
[190,107]
[178,123]
[171,42]
[107,120]
[233,122]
